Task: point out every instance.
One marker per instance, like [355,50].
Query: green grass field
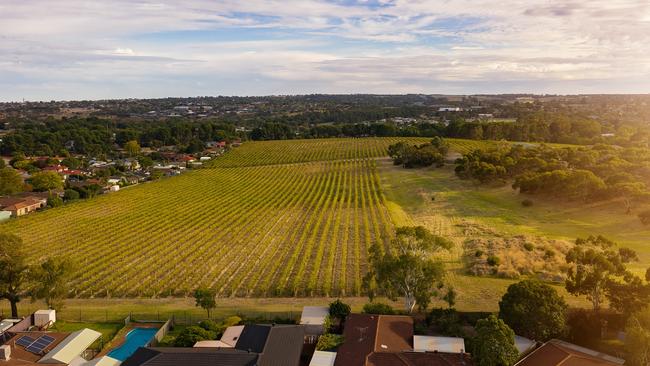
[290,218]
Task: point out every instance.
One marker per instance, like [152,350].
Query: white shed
[313,318]
[44,317]
[323,358]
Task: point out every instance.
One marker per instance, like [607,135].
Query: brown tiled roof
[556,352]
[369,334]
[419,359]
[20,356]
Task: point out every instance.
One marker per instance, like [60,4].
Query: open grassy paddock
[284,219]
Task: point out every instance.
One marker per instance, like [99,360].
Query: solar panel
[25,341]
[34,349]
[48,338]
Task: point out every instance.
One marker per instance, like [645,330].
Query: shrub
[645,217]
[529,247]
[446,321]
[478,253]
[211,325]
[54,201]
[493,260]
[433,198]
[329,342]
[378,308]
[232,320]
[526,203]
[339,309]
[549,253]
[70,195]
[190,335]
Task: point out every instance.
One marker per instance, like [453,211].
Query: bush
[211,325]
[584,328]
[190,335]
[378,308]
[645,217]
[529,247]
[526,203]
[339,309]
[70,195]
[54,201]
[493,260]
[329,342]
[231,321]
[446,321]
[478,253]
[549,253]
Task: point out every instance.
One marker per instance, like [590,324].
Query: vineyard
[286,218]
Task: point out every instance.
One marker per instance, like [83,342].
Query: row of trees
[48,280]
[586,173]
[413,156]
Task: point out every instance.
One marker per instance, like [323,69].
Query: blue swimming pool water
[136,338]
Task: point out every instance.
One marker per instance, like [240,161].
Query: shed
[5,215]
[71,347]
[313,318]
[44,318]
[524,345]
[323,358]
[438,344]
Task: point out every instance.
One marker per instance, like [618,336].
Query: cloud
[77,49]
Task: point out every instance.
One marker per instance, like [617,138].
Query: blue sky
[74,49]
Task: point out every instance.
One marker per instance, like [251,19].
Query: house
[556,352]
[313,318]
[19,206]
[449,109]
[387,340]
[256,345]
[28,342]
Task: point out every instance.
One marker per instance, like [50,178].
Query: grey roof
[171,356]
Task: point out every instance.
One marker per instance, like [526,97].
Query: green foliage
[10,181]
[410,156]
[54,200]
[527,203]
[529,247]
[132,148]
[378,308]
[329,342]
[494,344]
[585,328]
[206,299]
[52,281]
[572,184]
[211,325]
[13,270]
[533,310]
[637,339]
[446,321]
[450,297]
[190,335]
[597,265]
[493,260]
[45,181]
[70,195]
[339,310]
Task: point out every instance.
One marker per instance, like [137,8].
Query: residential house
[556,352]
[19,206]
[387,340]
[256,345]
[29,342]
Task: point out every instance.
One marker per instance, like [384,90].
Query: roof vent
[384,346]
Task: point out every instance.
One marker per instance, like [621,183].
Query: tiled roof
[556,352]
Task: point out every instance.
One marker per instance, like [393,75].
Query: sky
[85,49]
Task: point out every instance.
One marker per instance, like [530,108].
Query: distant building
[556,353]
[449,109]
[19,206]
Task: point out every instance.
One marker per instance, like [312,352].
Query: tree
[329,342]
[52,281]
[534,310]
[190,335]
[494,344]
[53,200]
[637,339]
[339,310]
[70,195]
[595,265]
[46,181]
[411,272]
[10,182]
[13,270]
[132,148]
[206,298]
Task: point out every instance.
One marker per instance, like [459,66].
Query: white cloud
[74,47]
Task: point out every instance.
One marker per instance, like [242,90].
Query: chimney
[5,352]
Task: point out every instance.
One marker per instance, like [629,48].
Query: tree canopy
[534,310]
[52,281]
[409,272]
[10,181]
[46,181]
[206,298]
[13,270]
[494,344]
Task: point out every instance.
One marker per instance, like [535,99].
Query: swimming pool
[136,338]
